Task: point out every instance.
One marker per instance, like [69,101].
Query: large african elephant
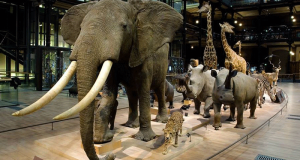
[114,34]
[235,89]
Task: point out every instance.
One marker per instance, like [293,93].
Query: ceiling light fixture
[197,21]
[292,53]
[240,24]
[192,47]
[235,21]
[294,20]
[292,17]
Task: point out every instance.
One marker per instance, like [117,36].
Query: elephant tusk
[50,95]
[91,95]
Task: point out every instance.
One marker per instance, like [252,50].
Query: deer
[273,77]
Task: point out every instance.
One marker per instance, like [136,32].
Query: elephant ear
[157,23]
[70,23]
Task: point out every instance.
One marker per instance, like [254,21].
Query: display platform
[69,145]
[202,133]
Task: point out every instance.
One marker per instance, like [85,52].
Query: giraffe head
[238,43]
[227,27]
[205,7]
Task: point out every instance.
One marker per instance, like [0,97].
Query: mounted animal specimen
[235,89]
[199,86]
[265,87]
[239,44]
[238,62]
[133,36]
[172,129]
[210,56]
[273,77]
[169,93]
[179,84]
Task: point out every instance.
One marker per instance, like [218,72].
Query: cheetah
[173,126]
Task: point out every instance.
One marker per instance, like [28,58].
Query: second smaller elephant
[169,93]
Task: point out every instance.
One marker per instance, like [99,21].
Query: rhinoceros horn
[232,73]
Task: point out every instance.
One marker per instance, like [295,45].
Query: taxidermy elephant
[169,94]
[235,89]
[110,34]
[199,86]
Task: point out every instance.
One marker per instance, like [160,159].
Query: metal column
[183,54]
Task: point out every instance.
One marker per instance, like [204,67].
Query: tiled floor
[279,140]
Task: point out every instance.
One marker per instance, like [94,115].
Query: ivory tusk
[91,95]
[51,94]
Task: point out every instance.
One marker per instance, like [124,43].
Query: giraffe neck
[225,44]
[209,39]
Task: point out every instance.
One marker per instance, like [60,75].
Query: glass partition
[8,95]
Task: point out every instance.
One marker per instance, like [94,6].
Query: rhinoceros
[199,85]
[235,89]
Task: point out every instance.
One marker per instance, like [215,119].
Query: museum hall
[149,79]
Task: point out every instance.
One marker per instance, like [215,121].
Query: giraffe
[237,61]
[239,43]
[209,57]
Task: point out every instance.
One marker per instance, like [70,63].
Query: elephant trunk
[85,78]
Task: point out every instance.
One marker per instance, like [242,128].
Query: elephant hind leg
[105,114]
[133,118]
[113,115]
[162,110]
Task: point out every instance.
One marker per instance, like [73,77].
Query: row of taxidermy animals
[217,87]
[229,87]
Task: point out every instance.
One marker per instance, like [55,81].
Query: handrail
[247,136]
[51,122]
[38,125]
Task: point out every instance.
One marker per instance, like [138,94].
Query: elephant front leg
[197,106]
[240,110]
[145,132]
[162,110]
[208,103]
[217,118]
[133,118]
[232,113]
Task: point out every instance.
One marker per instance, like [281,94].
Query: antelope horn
[51,94]
[91,95]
